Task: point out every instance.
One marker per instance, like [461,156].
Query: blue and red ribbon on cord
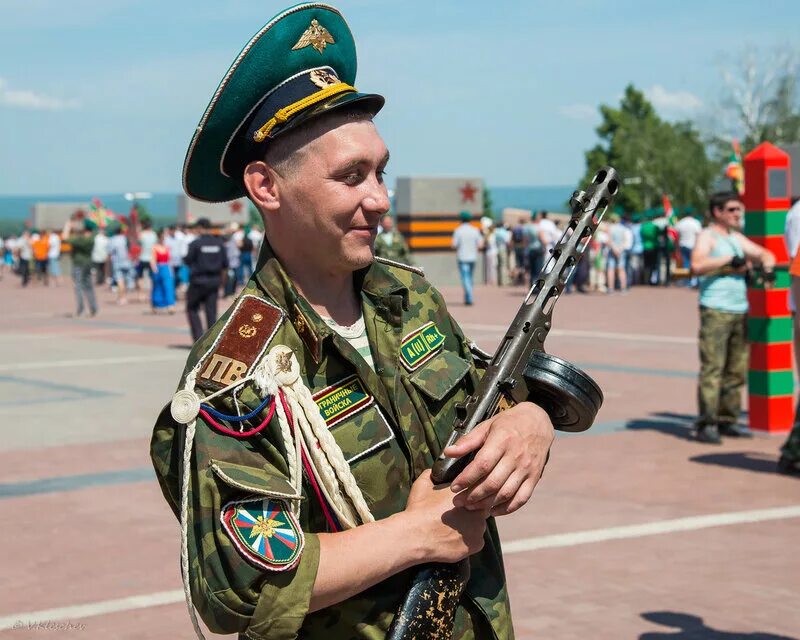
[210,413]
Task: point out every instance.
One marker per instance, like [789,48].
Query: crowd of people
[148,265]
[622,253]
[33,254]
[151,263]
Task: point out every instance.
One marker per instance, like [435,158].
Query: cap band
[282,115]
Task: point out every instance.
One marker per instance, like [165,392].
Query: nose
[376,199]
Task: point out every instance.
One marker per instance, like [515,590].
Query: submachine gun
[519,371]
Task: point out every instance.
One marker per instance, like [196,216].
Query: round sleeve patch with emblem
[265,532]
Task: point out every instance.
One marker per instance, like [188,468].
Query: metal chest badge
[420,345]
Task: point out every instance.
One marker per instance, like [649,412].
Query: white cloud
[30,100]
[672,101]
[579,111]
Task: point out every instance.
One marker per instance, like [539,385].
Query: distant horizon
[16,209]
[79,194]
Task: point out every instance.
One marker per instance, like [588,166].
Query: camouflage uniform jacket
[396,250]
[388,442]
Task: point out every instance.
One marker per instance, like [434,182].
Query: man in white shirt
[468,242]
[174,246]
[256,237]
[503,239]
[688,229]
[54,258]
[99,256]
[548,232]
[122,269]
[25,255]
[147,240]
[618,241]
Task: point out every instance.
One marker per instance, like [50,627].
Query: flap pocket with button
[435,389]
[353,417]
[256,480]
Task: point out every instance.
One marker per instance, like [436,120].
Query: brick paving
[78,399]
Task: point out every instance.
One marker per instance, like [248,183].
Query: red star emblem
[468,193]
[236,207]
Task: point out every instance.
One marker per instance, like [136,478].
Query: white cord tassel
[267,384]
[328,459]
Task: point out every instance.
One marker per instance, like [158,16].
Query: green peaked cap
[299,65]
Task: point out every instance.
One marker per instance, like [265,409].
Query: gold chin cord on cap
[284,114]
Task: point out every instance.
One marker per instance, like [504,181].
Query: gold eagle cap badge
[316,35]
[322,78]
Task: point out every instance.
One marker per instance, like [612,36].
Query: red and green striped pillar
[770,380]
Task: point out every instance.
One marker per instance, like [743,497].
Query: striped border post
[770,379]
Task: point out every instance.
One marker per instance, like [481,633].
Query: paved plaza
[635,532]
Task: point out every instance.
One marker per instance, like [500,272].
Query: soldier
[296,451]
[391,244]
[82,244]
[207,262]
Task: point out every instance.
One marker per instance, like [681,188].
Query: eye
[353,179]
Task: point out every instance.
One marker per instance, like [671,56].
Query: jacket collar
[388,294]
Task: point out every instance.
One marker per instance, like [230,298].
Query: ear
[260,180]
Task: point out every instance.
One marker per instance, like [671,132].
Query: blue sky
[103,95]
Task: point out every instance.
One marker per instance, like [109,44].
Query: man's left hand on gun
[512,449]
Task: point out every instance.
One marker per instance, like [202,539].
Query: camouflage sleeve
[252,566]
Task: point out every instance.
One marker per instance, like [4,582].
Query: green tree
[652,156]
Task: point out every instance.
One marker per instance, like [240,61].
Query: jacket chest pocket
[368,442]
[435,389]
[354,418]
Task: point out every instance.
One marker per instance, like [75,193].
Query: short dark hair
[720,199]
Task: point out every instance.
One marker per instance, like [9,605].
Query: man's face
[387,223]
[331,204]
[730,214]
